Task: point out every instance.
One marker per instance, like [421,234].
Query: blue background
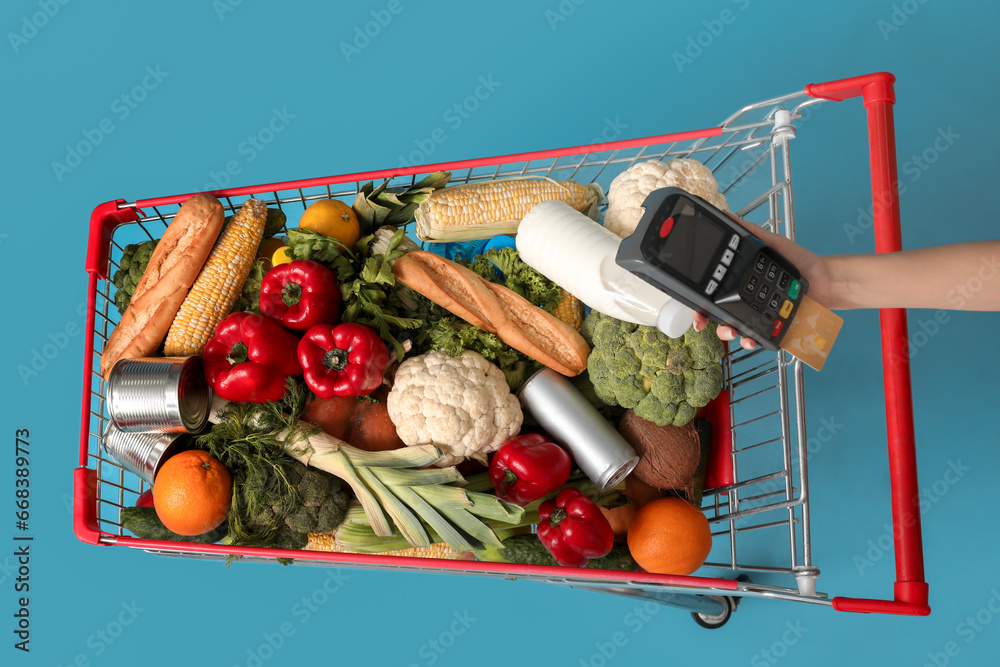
[564,72]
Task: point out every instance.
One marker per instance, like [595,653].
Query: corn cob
[220,282]
[327,542]
[481,210]
[570,310]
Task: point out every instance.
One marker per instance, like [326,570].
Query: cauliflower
[460,404]
[664,380]
[631,187]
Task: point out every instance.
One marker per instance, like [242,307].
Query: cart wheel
[713,621]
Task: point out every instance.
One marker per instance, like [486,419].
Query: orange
[669,536]
[333,218]
[266,250]
[192,493]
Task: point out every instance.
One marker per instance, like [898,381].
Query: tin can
[163,394]
[600,451]
[141,453]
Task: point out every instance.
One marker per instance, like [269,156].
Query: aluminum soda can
[163,394]
[600,451]
[142,453]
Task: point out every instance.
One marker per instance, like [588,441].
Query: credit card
[812,333]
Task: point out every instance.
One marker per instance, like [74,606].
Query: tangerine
[333,218]
[266,251]
[192,493]
[669,536]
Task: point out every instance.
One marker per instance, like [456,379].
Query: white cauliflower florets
[630,188]
[462,405]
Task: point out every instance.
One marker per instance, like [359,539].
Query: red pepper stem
[238,354]
[335,359]
[291,293]
[557,516]
[509,480]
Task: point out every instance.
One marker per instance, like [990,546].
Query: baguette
[451,286]
[172,269]
[538,334]
[494,308]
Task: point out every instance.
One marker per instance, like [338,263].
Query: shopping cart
[758,482]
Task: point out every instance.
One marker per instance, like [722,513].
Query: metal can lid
[615,474]
[194,395]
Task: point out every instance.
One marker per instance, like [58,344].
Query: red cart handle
[876,90]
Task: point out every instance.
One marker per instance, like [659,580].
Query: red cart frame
[759,131]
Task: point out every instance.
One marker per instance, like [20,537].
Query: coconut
[668,455]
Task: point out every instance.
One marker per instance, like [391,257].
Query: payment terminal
[696,253]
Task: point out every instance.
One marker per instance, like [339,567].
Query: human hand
[813,267]
[724,332]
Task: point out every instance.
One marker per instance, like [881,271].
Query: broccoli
[135,257]
[664,380]
[276,499]
[315,503]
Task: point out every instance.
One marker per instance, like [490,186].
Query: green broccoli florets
[135,257]
[664,380]
[316,502]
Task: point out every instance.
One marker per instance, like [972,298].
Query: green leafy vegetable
[249,299]
[368,287]
[265,481]
[505,267]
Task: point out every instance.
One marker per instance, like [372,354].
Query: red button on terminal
[778,325]
[665,228]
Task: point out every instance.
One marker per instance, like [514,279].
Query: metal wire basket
[757,496]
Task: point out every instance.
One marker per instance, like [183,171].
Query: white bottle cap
[674,318]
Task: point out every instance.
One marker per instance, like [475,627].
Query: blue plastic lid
[502,241]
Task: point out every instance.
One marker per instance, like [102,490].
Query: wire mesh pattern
[749,155]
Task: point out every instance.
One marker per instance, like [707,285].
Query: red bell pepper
[574,529]
[300,294]
[528,467]
[249,359]
[343,360]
